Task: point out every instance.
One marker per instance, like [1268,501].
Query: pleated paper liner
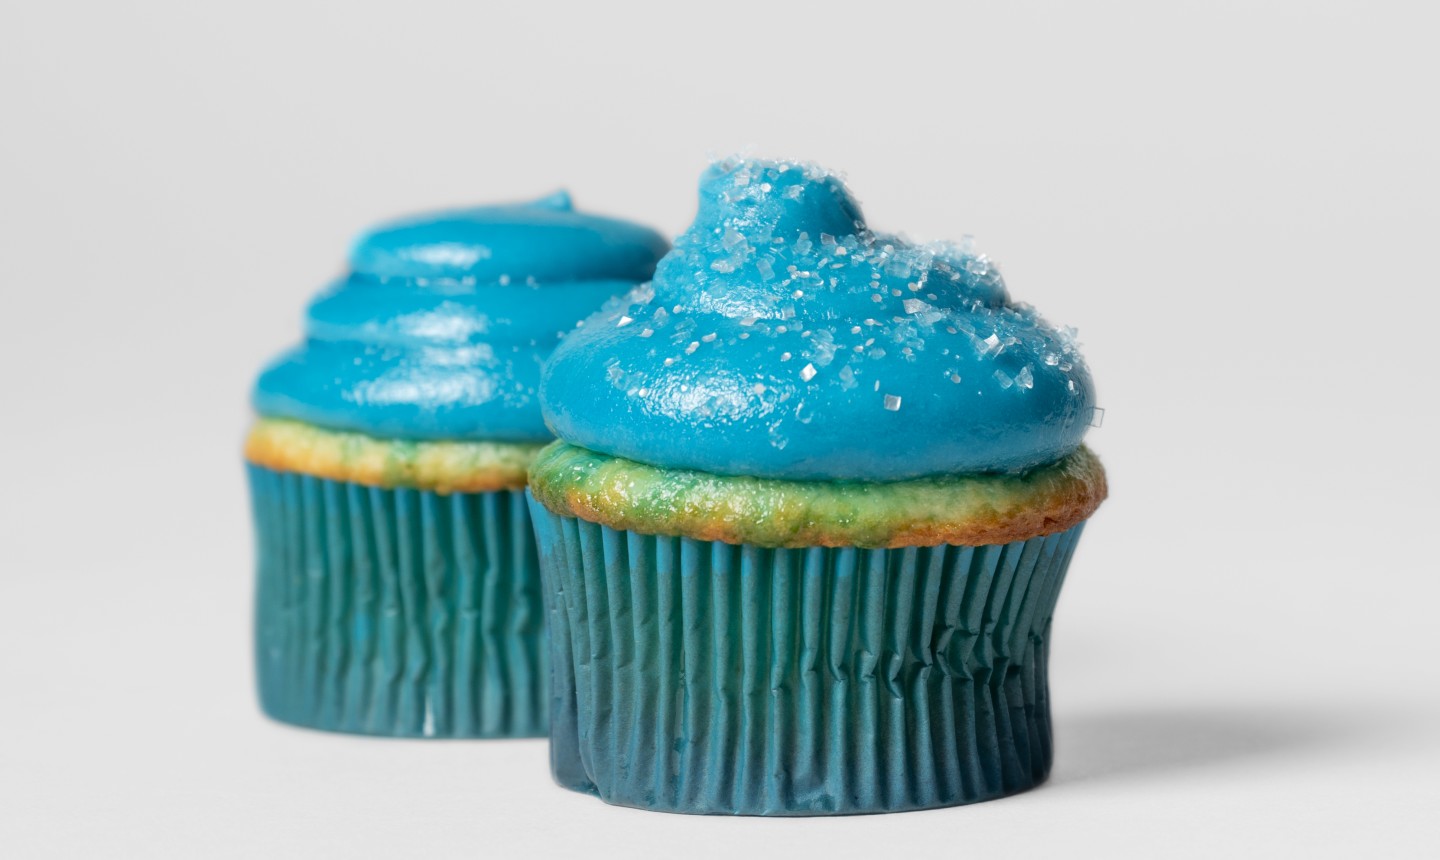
[711,678]
[396,611]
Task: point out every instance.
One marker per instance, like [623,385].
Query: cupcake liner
[703,677]
[397,611]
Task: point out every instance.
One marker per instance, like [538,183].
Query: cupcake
[814,494]
[397,591]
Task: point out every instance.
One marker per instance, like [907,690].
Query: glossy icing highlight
[783,338]
[439,328]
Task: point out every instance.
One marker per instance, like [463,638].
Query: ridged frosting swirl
[782,338]
[439,328]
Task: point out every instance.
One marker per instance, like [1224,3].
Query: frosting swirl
[782,338]
[439,328]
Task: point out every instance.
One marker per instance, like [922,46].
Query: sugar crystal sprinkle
[892,402]
[807,372]
[1025,379]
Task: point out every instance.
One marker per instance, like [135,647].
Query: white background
[1236,204]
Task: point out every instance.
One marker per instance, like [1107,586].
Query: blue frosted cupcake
[802,536]
[397,587]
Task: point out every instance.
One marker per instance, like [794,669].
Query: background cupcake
[397,587]
[802,538]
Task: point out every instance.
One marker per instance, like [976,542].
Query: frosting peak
[440,326]
[783,338]
[543,240]
[744,201]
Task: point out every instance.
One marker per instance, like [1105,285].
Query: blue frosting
[440,327]
[782,338]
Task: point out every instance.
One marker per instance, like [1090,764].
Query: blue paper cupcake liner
[703,677]
[397,612]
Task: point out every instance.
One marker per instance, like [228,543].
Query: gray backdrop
[1235,203]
